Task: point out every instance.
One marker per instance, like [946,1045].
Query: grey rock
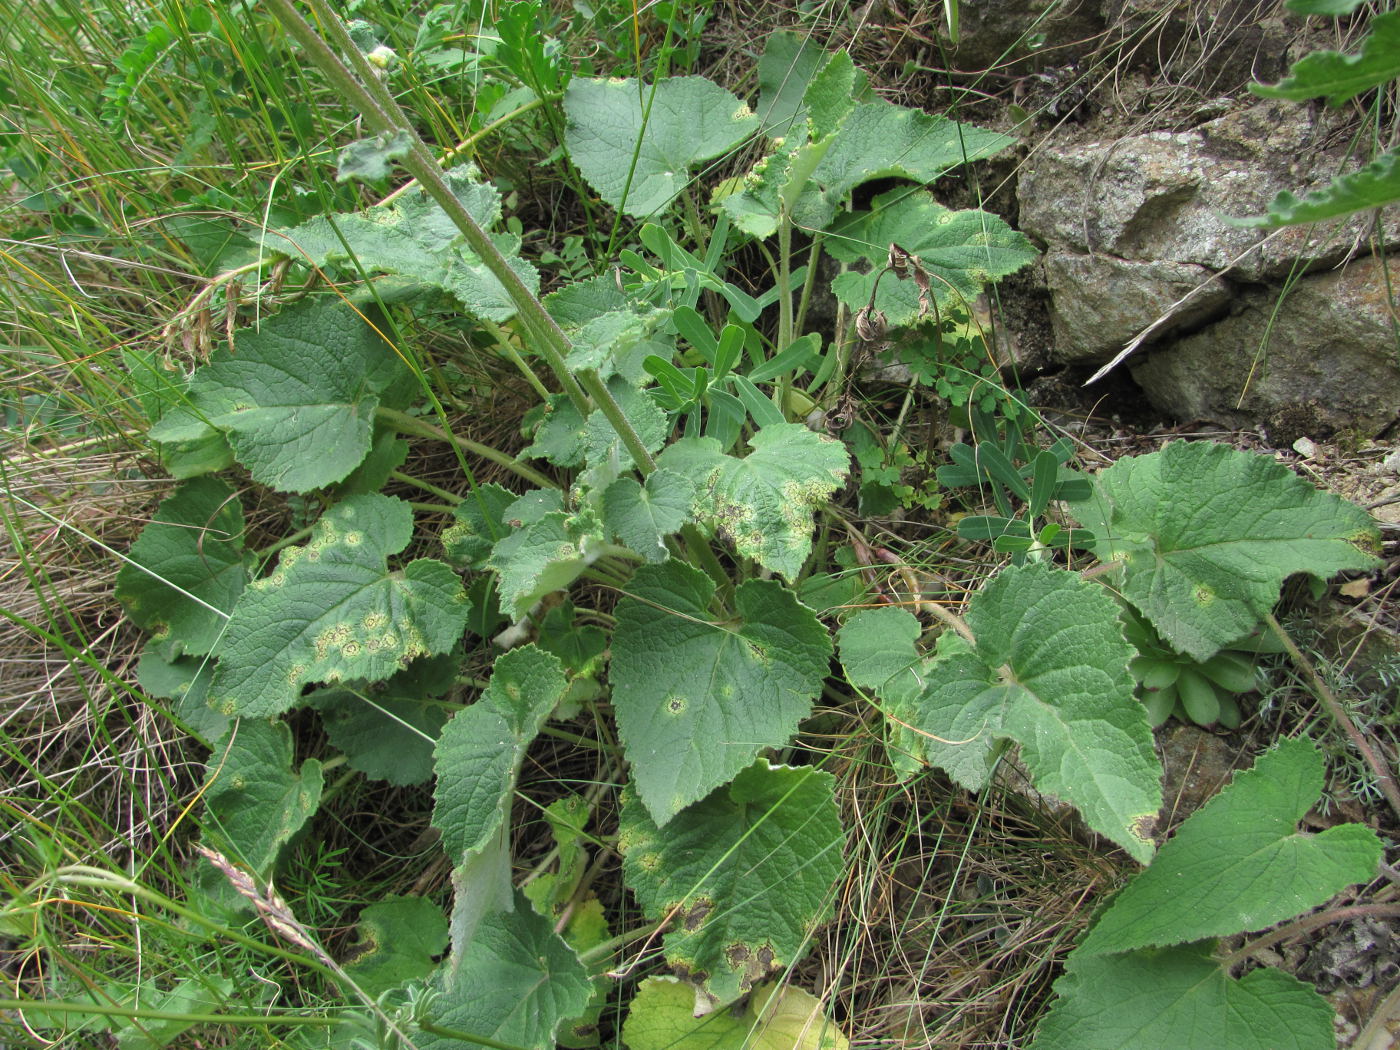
[993,32]
[1323,358]
[1099,302]
[1164,196]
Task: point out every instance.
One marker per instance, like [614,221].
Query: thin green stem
[407,424]
[1385,779]
[140,1013]
[809,282]
[408,479]
[512,355]
[471,140]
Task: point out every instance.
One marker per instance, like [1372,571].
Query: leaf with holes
[1239,862]
[744,876]
[764,502]
[1048,670]
[669,129]
[962,251]
[333,611]
[187,568]
[297,399]
[1207,534]
[697,699]
[480,751]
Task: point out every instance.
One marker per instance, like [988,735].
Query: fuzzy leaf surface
[879,652]
[1179,997]
[662,1017]
[372,159]
[1339,77]
[187,568]
[541,557]
[333,611]
[963,251]
[764,502]
[254,798]
[186,682]
[696,700]
[385,737]
[480,751]
[787,65]
[478,523]
[601,442]
[1049,670]
[881,140]
[297,400]
[608,343]
[691,120]
[398,938]
[516,983]
[413,238]
[642,516]
[1207,534]
[1239,863]
[748,873]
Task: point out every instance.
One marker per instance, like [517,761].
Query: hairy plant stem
[407,424]
[380,110]
[1384,777]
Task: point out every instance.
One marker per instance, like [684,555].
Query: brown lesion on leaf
[336,636]
[1367,541]
[694,917]
[752,963]
[1143,825]
[1203,595]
